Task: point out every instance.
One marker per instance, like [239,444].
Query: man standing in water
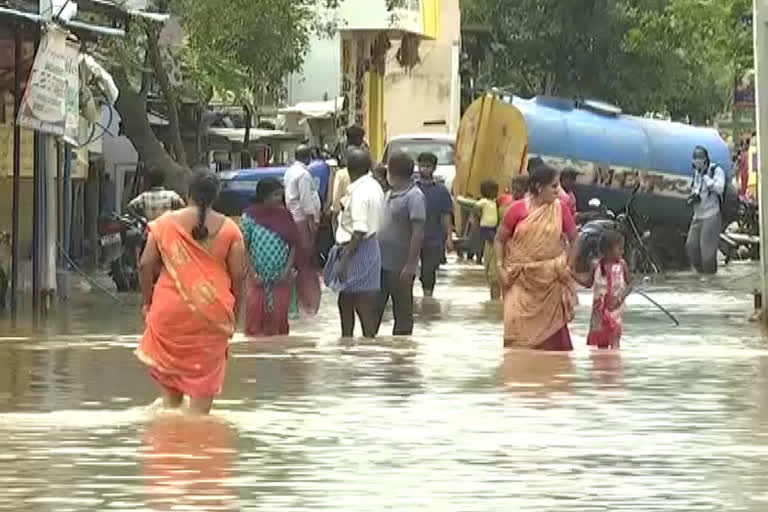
[341,180]
[354,263]
[706,198]
[438,228]
[400,238]
[301,197]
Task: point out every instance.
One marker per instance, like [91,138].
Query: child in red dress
[611,282]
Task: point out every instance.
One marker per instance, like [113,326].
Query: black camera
[693,199]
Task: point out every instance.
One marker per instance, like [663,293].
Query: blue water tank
[558,128]
[599,141]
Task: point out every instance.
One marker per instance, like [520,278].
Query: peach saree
[539,302]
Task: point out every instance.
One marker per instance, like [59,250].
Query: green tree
[240,49]
[698,49]
[675,56]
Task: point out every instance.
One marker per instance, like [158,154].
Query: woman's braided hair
[203,190]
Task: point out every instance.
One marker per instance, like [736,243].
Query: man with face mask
[706,199]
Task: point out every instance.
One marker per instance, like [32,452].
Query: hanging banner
[43,106]
[72,102]
[744,91]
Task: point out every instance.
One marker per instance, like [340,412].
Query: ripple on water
[445,420]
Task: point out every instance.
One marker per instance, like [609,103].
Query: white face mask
[700,163]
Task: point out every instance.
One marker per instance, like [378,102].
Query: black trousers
[401,291]
[366,306]
[431,259]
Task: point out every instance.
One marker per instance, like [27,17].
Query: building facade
[363,61]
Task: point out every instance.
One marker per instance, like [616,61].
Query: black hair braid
[200,231]
[203,190]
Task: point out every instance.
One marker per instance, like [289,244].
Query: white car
[443,145]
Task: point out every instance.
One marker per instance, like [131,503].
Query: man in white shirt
[354,264]
[301,197]
[355,138]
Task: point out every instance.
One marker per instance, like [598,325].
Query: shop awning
[316,109]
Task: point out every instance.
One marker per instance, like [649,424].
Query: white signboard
[72,102]
[43,107]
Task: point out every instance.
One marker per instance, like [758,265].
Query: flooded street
[445,420]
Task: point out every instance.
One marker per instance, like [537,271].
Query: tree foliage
[674,56]
[240,50]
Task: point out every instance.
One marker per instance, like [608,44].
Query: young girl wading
[612,283]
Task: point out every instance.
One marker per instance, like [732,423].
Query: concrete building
[360,61]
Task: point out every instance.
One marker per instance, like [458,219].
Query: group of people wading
[197,263]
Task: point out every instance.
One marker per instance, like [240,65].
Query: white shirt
[300,195]
[362,208]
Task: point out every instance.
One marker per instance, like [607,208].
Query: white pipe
[454,116]
[48,283]
[761,105]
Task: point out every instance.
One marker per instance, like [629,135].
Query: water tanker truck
[614,155]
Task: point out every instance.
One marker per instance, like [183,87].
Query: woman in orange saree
[191,275]
[539,290]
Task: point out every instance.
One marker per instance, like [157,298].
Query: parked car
[443,145]
[238,187]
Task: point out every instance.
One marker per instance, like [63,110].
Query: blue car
[238,187]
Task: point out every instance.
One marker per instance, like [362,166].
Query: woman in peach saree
[191,275]
[539,290]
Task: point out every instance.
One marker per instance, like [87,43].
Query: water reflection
[538,373]
[186,462]
[607,370]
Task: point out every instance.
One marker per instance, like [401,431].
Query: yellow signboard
[6,151]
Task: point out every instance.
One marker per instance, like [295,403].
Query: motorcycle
[599,219]
[741,239]
[122,239]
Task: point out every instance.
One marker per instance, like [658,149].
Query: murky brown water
[443,421]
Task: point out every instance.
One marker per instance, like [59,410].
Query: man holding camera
[707,200]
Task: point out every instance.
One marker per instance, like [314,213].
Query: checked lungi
[364,272]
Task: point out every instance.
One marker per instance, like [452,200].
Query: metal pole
[37,222]
[760,31]
[17,93]
[66,194]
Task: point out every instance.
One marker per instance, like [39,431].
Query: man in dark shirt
[438,228]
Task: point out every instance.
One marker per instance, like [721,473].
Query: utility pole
[760,30]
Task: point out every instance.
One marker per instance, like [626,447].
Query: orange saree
[191,317]
[540,300]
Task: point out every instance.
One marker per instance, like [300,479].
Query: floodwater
[443,421]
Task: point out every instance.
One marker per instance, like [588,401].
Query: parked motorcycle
[599,219]
[122,238]
[741,239]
